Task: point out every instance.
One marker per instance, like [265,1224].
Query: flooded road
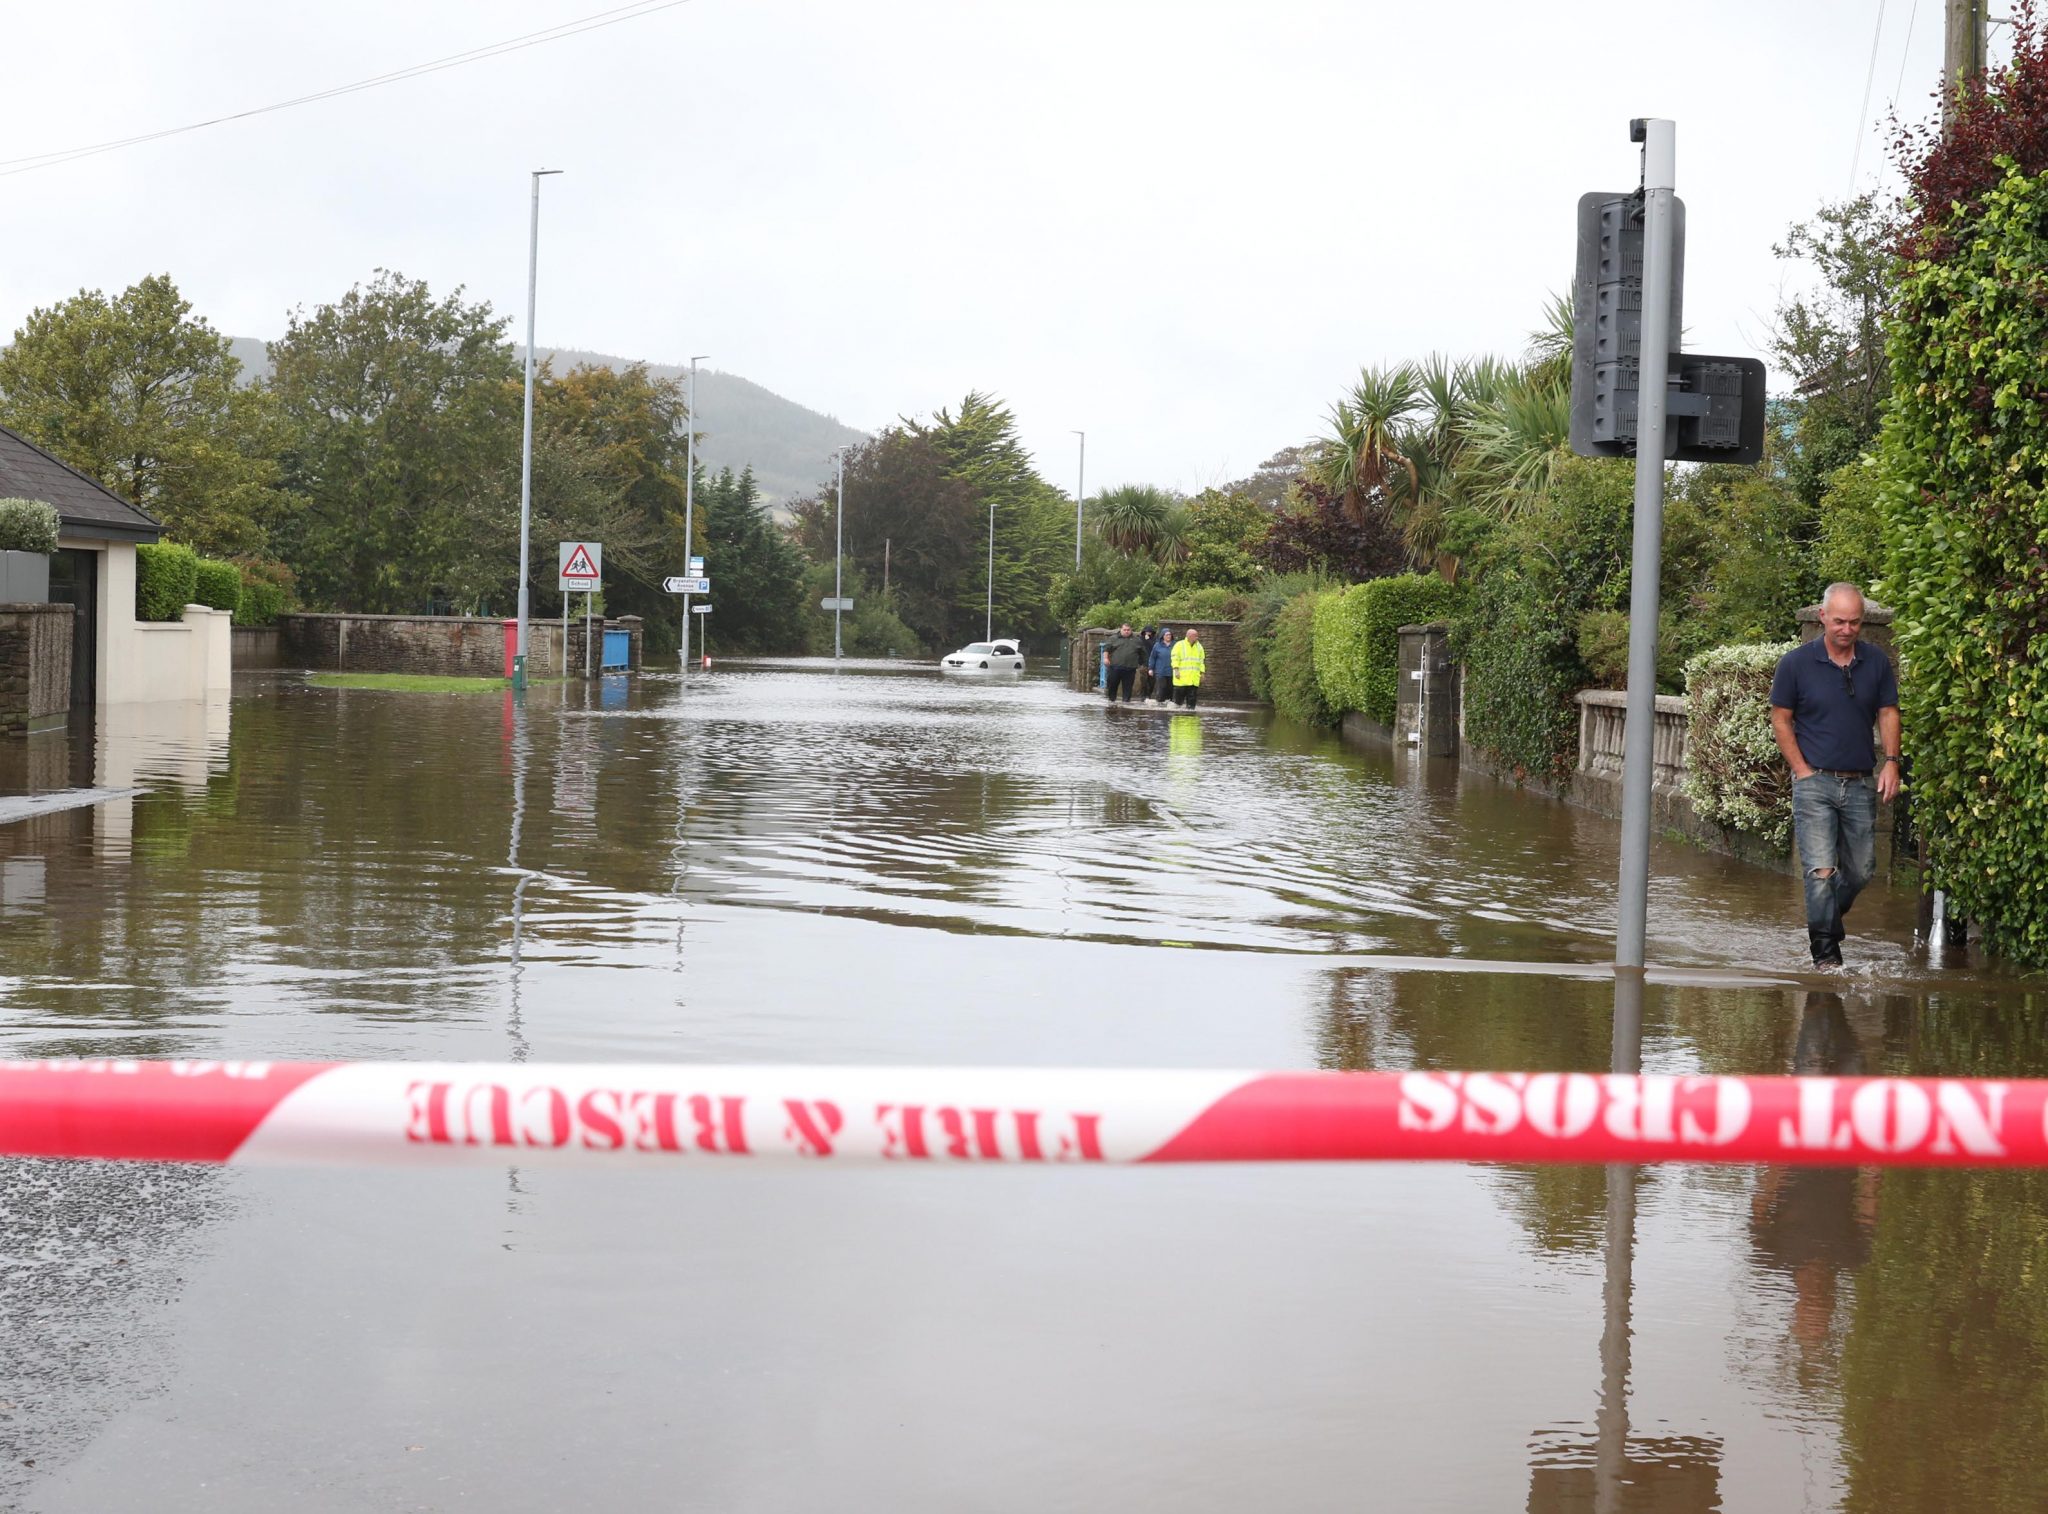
[783,863]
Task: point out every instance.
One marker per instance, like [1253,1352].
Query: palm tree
[1131,517]
[1361,456]
[1516,442]
[1452,397]
[1550,345]
[1174,539]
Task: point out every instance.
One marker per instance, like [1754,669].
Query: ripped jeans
[1835,821]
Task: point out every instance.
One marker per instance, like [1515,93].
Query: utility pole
[690,499]
[1660,162]
[838,554]
[526,441]
[885,570]
[1965,48]
[1080,488]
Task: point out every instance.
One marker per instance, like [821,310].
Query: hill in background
[738,422]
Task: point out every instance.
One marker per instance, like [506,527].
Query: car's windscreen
[979,649]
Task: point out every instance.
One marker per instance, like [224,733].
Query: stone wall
[35,667]
[440,645]
[257,647]
[1224,678]
[445,646]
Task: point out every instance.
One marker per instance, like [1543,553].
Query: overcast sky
[1179,225]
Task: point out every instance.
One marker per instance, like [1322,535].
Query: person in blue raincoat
[1161,661]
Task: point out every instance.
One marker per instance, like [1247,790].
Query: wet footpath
[780,862]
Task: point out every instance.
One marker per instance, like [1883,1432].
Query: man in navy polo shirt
[1825,698]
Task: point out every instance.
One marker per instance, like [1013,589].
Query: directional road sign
[700,609]
[686,585]
[835,604]
[580,565]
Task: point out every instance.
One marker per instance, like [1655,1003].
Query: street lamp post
[690,496]
[838,553]
[1080,490]
[526,442]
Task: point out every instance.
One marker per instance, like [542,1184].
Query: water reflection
[787,864]
[1814,1224]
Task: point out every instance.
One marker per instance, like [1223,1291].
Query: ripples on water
[786,863]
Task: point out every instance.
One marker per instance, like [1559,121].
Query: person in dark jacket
[1825,698]
[1147,639]
[1124,653]
[1162,665]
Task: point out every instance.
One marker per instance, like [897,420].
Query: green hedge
[166,578]
[1358,640]
[27,525]
[1256,630]
[217,585]
[1290,662]
[266,592]
[261,603]
[1210,602]
[1565,555]
[1965,518]
[1734,774]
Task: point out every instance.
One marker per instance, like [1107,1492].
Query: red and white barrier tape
[284,1113]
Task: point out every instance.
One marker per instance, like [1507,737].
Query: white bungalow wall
[154,662]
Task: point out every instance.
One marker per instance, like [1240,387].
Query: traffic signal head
[1714,406]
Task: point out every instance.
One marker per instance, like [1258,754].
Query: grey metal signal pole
[1659,139]
[690,497]
[838,553]
[1080,491]
[526,442]
[989,628]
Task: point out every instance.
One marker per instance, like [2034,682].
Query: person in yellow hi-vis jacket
[1189,663]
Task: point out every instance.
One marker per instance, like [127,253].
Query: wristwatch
[1887,757]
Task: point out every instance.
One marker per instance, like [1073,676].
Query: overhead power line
[1863,110]
[12,166]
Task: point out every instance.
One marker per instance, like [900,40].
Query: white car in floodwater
[984,657]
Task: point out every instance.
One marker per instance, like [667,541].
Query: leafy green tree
[1831,339]
[1032,520]
[142,395]
[759,589]
[1518,636]
[1739,558]
[575,498]
[396,403]
[634,428]
[871,629]
[905,506]
[1106,576]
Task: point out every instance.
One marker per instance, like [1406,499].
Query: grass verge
[408,683]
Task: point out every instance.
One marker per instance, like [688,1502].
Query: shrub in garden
[1565,555]
[166,578]
[1257,627]
[1734,773]
[1296,692]
[1358,638]
[217,585]
[27,525]
[1965,511]
[266,592]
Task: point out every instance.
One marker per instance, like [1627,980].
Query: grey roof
[86,508]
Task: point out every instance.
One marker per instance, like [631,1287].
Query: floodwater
[783,863]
